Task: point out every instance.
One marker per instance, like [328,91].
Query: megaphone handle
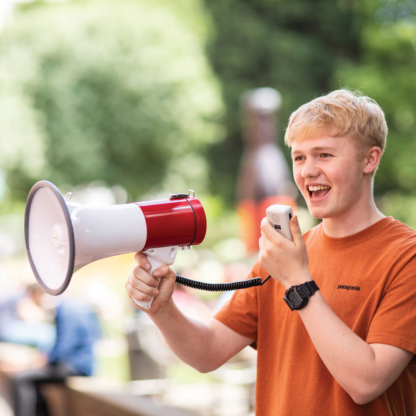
[157,257]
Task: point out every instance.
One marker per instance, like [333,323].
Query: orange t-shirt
[369,280]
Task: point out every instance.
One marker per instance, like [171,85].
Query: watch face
[294,298]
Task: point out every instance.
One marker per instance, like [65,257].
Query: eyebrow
[318,148]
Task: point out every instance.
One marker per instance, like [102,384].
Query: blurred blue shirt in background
[77,330]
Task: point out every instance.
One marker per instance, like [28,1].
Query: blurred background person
[72,354]
[26,318]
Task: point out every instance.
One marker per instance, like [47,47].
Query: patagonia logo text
[348,287]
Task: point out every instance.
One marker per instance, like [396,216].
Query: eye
[325,155]
[298,158]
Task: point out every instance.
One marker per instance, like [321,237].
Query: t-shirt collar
[354,238]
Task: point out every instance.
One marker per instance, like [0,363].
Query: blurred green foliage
[400,206]
[305,49]
[293,46]
[386,71]
[119,91]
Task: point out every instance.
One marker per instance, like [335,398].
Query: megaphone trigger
[157,257]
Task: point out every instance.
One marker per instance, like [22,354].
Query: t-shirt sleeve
[394,322]
[241,313]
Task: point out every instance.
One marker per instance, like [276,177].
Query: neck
[362,215]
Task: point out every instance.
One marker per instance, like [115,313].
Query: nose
[310,168]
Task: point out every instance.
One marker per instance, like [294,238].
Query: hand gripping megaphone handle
[157,257]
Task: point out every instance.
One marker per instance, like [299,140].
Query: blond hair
[340,113]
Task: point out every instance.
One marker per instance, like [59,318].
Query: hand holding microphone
[279,217]
[283,254]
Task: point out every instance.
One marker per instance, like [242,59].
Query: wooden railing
[88,396]
[85,396]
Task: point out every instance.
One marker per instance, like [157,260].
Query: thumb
[296,231]
[166,272]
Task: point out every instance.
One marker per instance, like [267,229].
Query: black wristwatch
[297,297]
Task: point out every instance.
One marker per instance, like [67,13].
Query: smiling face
[330,174]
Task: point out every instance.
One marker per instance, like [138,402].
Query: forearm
[192,341]
[350,360]
[202,346]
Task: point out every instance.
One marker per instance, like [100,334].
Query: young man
[348,347]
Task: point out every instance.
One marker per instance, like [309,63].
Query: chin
[317,216]
[319,213]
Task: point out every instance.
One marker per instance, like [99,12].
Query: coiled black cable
[220,287]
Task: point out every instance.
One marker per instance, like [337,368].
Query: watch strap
[309,288]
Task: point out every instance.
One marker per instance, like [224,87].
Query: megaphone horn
[62,236]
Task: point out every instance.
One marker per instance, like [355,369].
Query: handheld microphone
[279,217]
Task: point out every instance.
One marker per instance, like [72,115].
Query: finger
[264,253]
[268,231]
[145,276]
[164,271]
[137,288]
[296,231]
[261,243]
[136,294]
[264,228]
[261,251]
[142,261]
[265,246]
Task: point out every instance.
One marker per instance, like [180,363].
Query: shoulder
[398,236]
[400,229]
[394,246]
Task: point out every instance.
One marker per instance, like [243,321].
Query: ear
[372,159]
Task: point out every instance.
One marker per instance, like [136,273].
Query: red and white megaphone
[63,236]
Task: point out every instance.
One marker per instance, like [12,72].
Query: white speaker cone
[49,237]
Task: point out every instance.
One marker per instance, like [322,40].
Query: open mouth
[318,191]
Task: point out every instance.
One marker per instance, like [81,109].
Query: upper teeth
[318,188]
